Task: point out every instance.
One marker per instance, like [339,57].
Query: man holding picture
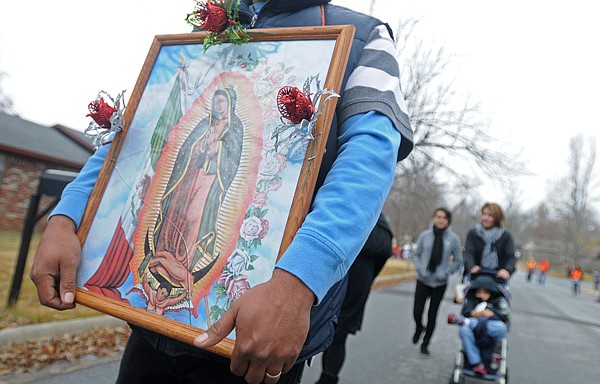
[282,323]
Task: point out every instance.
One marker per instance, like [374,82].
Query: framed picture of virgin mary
[210,176]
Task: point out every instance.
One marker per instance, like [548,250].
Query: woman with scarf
[438,255]
[489,246]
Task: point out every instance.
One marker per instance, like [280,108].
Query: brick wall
[18,182]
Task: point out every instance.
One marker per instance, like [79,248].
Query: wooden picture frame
[198,196]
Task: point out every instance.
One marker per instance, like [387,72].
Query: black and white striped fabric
[374,85]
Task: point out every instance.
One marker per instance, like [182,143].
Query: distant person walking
[530,268]
[489,246]
[438,255]
[569,269]
[577,277]
[543,269]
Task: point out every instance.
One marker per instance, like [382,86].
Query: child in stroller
[483,323]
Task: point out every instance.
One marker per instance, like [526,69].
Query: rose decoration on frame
[220,19]
[298,111]
[106,118]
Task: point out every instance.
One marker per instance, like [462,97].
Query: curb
[57,328]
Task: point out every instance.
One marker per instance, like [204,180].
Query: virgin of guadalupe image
[202,191]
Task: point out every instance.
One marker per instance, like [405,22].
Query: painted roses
[234,286]
[239,261]
[254,228]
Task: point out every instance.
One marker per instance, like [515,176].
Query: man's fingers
[68,272]
[264,375]
[272,378]
[218,331]
[48,294]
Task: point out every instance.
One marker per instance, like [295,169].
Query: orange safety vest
[530,264]
[576,274]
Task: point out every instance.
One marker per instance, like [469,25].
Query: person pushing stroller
[483,320]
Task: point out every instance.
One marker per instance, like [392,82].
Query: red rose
[265,228]
[101,112]
[213,17]
[237,286]
[294,105]
[224,279]
[259,199]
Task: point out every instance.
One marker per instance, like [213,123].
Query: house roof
[57,144]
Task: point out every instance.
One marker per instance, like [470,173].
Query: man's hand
[56,261]
[475,269]
[271,322]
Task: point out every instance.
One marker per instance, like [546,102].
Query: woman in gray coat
[438,255]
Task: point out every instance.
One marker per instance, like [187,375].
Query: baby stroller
[497,364]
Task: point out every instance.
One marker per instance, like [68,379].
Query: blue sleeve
[347,206]
[76,194]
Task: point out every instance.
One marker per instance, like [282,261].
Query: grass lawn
[395,266]
[27,309]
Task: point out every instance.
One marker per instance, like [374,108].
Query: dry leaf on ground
[37,354]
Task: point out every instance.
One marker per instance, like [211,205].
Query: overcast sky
[532,64]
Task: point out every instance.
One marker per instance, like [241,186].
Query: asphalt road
[555,338]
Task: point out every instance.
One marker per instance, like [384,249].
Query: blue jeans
[496,329]
[542,278]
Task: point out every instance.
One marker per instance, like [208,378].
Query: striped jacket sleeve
[374,85]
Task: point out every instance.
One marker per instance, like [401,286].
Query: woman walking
[489,246]
[438,255]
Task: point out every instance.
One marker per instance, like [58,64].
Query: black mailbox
[53,181]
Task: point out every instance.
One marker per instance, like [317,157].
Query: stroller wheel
[504,378]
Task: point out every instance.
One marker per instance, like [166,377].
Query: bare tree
[465,214]
[372,7]
[515,216]
[6,103]
[450,136]
[448,132]
[422,194]
[572,196]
